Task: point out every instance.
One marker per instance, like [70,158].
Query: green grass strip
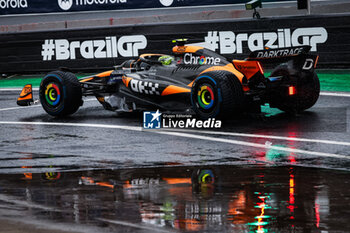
[335,81]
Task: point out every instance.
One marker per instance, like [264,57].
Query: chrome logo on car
[190,59]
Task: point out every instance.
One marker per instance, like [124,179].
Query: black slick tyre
[60,93]
[307,90]
[216,94]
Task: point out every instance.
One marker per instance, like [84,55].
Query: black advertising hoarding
[102,48]
[49,6]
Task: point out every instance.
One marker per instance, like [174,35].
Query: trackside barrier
[102,47]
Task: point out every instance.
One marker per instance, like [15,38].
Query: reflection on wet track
[210,198]
[273,174]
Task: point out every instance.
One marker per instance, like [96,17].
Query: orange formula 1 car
[192,79]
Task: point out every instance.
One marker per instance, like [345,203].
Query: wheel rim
[205,96]
[52,94]
[206,177]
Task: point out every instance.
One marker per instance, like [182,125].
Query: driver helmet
[166,60]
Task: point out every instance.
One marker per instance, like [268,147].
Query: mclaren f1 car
[192,79]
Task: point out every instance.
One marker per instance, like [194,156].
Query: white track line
[252,144]
[17,89]
[185,135]
[262,136]
[32,106]
[132,128]
[16,108]
[335,94]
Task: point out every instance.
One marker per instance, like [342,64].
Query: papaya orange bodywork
[27,176]
[26,96]
[105,184]
[26,93]
[186,49]
[191,84]
[229,67]
[100,75]
[248,68]
[104,74]
[86,80]
[151,54]
[178,180]
[126,80]
[171,89]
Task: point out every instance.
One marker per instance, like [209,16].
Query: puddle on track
[183,198]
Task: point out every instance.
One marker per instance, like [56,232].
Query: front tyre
[216,94]
[60,93]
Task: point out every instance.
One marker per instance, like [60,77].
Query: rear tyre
[60,93]
[307,90]
[216,94]
[203,181]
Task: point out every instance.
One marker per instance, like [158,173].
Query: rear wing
[297,57]
[271,55]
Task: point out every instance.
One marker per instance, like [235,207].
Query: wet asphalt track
[96,172]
